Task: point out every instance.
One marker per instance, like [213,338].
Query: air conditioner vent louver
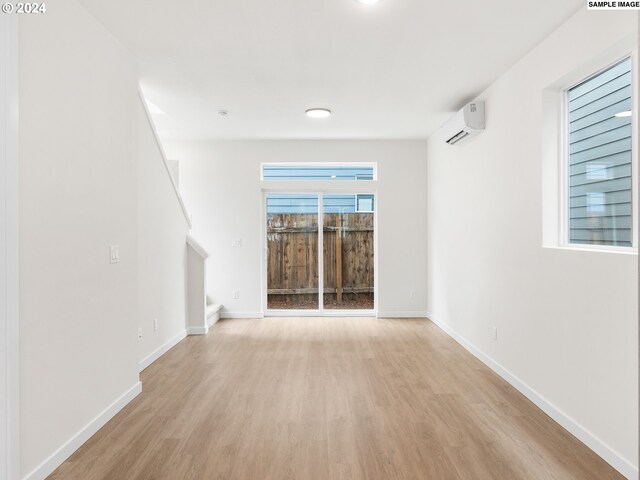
[456,138]
[466,123]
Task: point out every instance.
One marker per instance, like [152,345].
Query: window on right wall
[599,163]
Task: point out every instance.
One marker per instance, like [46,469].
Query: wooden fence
[292,264]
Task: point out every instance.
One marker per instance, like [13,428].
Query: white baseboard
[291,313]
[403,314]
[197,330]
[148,360]
[65,451]
[226,314]
[578,431]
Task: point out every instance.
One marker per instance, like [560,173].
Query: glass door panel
[292,251]
[348,251]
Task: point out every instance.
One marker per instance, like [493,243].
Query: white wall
[162,233]
[567,320]
[220,182]
[9,383]
[78,181]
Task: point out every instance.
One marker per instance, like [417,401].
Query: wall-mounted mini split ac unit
[466,123]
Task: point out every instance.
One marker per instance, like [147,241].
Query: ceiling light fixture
[318,112]
[368,2]
[626,113]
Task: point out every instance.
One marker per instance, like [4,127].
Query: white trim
[293,313]
[403,314]
[577,430]
[9,299]
[565,215]
[336,312]
[212,314]
[374,165]
[212,318]
[197,247]
[264,250]
[595,248]
[197,330]
[555,211]
[187,217]
[59,456]
[327,312]
[320,236]
[152,357]
[305,189]
[321,186]
[227,314]
[376,254]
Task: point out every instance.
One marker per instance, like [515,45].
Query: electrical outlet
[412,293]
[236,242]
[236,294]
[155,324]
[140,333]
[495,333]
[114,254]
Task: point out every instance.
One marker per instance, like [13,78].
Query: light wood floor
[329,398]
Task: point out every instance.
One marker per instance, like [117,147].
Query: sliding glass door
[348,258]
[292,251]
[303,266]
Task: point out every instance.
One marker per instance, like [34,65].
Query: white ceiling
[397,69]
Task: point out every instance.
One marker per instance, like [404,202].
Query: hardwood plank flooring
[329,398]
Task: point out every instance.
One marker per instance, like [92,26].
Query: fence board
[292,262]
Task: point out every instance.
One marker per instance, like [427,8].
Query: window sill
[595,249]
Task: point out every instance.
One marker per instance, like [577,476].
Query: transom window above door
[318,171]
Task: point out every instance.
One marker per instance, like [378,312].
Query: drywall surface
[162,234]
[9,329]
[196,297]
[78,180]
[220,182]
[566,319]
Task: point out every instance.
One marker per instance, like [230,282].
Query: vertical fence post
[339,258]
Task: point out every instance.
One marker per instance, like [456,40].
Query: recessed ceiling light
[623,114]
[318,112]
[223,113]
[368,2]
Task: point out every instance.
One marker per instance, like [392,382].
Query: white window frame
[320,188]
[565,162]
[374,165]
[555,151]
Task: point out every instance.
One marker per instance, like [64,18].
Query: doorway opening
[320,253]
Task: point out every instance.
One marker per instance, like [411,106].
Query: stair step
[213,309]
